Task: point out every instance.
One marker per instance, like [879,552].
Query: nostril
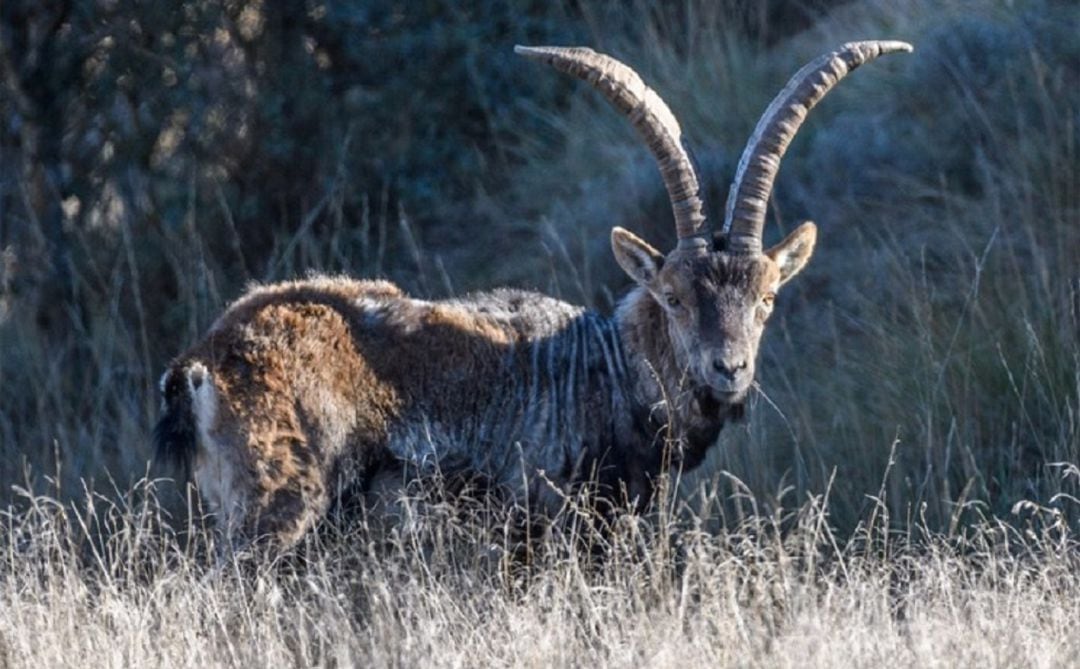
[729,370]
[721,367]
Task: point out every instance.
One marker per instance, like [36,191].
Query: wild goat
[306,388]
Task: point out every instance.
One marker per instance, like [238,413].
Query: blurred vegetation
[155,157]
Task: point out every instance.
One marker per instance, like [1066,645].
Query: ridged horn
[744,218]
[653,120]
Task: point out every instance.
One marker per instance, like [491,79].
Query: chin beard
[710,410]
[714,404]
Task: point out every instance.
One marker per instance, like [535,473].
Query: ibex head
[716,290]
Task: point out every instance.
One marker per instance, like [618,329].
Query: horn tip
[880,46]
[897,45]
[551,51]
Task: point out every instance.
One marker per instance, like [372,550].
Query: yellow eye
[671,300]
[768,298]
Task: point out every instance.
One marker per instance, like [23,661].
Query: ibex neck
[643,328]
[660,382]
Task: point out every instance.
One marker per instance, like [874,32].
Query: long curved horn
[748,198]
[653,120]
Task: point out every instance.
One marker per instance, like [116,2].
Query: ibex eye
[672,300]
[768,298]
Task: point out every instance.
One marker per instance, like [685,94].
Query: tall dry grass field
[110,586]
[905,491]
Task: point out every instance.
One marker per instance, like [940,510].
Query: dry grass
[111,586]
[934,337]
[941,309]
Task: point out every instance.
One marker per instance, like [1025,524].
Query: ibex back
[305,389]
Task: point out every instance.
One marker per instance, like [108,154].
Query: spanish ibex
[303,388]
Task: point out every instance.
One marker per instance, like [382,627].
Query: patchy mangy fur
[304,391]
[307,390]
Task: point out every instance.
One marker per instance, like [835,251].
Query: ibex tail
[188,396]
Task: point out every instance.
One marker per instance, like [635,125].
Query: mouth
[711,399]
[726,389]
[727,397]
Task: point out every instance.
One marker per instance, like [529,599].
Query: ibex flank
[305,390]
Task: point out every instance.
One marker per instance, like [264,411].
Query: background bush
[156,157]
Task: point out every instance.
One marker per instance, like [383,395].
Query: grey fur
[302,391]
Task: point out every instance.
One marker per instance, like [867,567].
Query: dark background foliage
[156,157]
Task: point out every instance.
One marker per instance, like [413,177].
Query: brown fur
[300,388]
[284,414]
[305,388]
[309,377]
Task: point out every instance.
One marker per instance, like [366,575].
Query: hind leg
[266,494]
[280,518]
[259,465]
[273,520]
[290,492]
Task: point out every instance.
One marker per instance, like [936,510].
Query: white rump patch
[215,473]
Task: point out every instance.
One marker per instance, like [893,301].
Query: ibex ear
[792,254]
[641,261]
